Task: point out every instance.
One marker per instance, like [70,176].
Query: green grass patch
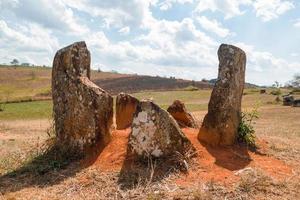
[27,110]
[167,97]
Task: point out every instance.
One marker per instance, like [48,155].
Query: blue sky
[157,37]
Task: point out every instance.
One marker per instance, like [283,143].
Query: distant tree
[25,64]
[99,70]
[276,84]
[14,62]
[296,81]
[193,83]
[114,71]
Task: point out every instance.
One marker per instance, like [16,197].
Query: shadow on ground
[49,168]
[231,158]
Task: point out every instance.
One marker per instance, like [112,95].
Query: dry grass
[21,141]
[25,83]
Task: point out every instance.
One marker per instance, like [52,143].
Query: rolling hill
[19,83]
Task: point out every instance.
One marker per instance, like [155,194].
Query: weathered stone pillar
[83,112]
[125,109]
[155,133]
[220,125]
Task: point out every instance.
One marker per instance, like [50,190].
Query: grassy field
[27,110]
[194,101]
[26,126]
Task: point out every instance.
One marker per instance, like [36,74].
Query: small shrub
[33,75]
[246,132]
[276,92]
[296,91]
[191,88]
[2,106]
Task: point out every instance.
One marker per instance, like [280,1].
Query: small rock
[160,137]
[181,115]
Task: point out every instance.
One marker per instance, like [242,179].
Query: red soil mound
[217,164]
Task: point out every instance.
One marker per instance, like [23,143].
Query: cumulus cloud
[124,30]
[229,8]
[26,41]
[264,9]
[52,14]
[213,26]
[115,13]
[271,9]
[264,68]
[169,48]
[168,4]
[153,45]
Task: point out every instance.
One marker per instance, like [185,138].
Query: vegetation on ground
[246,131]
[27,110]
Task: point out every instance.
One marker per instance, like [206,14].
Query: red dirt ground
[217,164]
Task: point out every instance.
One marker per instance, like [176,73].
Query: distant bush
[296,91]
[246,132]
[2,106]
[191,88]
[256,90]
[114,72]
[276,92]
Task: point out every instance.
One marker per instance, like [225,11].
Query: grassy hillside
[26,83]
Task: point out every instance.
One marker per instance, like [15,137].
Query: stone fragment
[220,125]
[125,109]
[181,115]
[155,133]
[83,112]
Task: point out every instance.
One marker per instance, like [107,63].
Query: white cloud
[28,43]
[169,48]
[115,13]
[265,68]
[297,23]
[213,26]
[124,30]
[265,9]
[229,8]
[52,14]
[168,4]
[156,46]
[271,9]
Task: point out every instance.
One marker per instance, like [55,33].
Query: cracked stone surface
[125,109]
[155,132]
[220,125]
[83,112]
